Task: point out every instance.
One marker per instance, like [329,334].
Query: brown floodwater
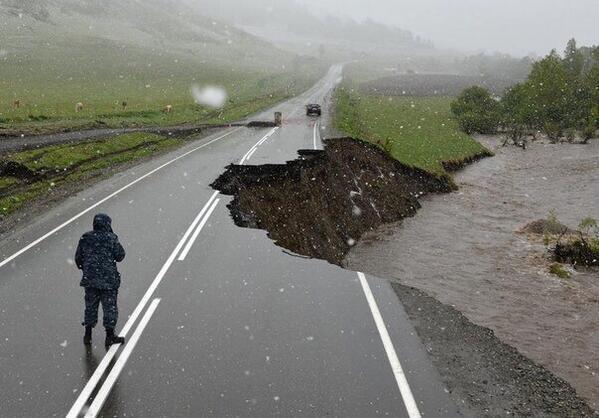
[463,249]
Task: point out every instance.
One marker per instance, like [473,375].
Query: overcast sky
[514,26]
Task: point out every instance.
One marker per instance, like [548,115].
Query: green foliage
[559,271]
[589,226]
[560,96]
[417,131]
[68,164]
[476,111]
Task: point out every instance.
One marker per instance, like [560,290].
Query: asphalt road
[219,320]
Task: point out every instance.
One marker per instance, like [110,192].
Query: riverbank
[463,249]
[325,202]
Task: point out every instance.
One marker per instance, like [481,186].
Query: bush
[553,130]
[589,131]
[559,271]
[476,111]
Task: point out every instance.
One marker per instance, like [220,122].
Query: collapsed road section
[320,204]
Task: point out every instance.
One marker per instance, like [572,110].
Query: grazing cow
[16,104]
[168,109]
[124,104]
[78,107]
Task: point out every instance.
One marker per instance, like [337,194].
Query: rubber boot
[113,339]
[87,338]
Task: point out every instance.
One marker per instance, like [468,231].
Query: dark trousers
[93,298]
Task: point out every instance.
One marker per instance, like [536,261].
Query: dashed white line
[197,231]
[400,377]
[106,387]
[110,196]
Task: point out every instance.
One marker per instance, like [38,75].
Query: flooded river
[463,249]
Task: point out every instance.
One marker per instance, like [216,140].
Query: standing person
[97,254]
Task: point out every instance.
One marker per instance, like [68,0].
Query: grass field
[147,56]
[53,167]
[48,89]
[418,131]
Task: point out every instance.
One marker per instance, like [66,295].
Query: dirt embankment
[320,204]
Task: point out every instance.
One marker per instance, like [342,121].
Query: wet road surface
[219,321]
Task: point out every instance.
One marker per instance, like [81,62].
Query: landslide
[320,204]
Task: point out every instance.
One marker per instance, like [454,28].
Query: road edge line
[110,196]
[400,377]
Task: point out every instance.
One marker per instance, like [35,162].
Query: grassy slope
[144,56]
[60,165]
[420,131]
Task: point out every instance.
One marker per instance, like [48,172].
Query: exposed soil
[320,204]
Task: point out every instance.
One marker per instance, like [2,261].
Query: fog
[513,26]
[518,27]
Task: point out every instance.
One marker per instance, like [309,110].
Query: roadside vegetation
[560,98]
[125,75]
[45,172]
[418,131]
[134,91]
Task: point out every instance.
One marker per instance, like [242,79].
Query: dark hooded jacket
[97,254]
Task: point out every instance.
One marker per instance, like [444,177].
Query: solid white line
[104,391]
[315,127]
[197,231]
[110,196]
[250,154]
[257,144]
[400,377]
[105,363]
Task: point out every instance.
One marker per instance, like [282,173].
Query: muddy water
[463,249]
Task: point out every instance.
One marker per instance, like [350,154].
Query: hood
[102,223]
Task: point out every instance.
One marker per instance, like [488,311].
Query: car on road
[313,109]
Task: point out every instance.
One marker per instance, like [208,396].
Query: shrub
[476,111]
[559,271]
[553,130]
[570,135]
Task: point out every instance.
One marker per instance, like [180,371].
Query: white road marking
[106,387]
[105,363]
[257,144]
[110,196]
[250,154]
[315,132]
[400,377]
[197,231]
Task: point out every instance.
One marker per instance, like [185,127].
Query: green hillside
[56,53]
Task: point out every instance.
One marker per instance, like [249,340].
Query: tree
[573,59]
[552,97]
[517,112]
[476,111]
